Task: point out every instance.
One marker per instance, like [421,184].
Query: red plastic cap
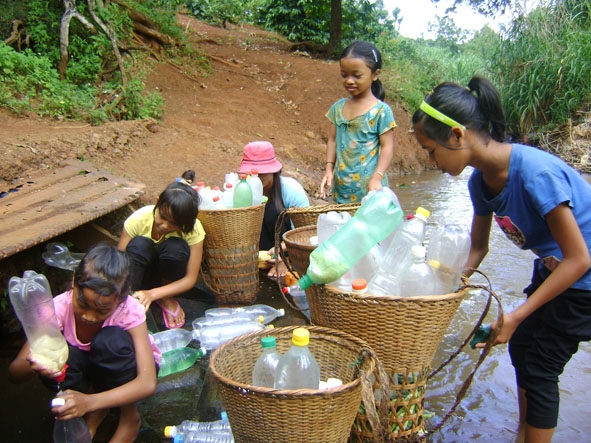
[359,283]
[60,378]
[285,290]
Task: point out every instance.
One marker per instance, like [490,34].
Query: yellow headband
[432,112]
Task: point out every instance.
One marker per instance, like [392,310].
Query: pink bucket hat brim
[260,156]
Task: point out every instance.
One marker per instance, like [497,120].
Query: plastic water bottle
[410,233]
[297,368]
[375,219]
[263,373]
[228,195]
[199,426]
[172,339]
[32,301]
[178,360]
[73,430]
[256,185]
[269,313]
[211,337]
[299,298]
[202,322]
[242,193]
[449,246]
[58,255]
[204,437]
[417,278]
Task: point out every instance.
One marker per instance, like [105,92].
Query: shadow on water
[488,412]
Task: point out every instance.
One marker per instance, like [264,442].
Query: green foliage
[543,66]
[223,11]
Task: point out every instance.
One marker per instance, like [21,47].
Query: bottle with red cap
[242,193]
[359,286]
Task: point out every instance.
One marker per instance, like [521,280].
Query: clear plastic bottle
[228,195]
[58,255]
[256,185]
[299,298]
[203,437]
[172,339]
[201,322]
[417,278]
[73,430]
[269,313]
[335,256]
[178,360]
[32,301]
[242,193]
[263,373]
[449,246]
[297,368]
[211,337]
[199,426]
[410,233]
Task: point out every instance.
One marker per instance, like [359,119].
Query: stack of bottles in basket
[217,326]
[391,254]
[190,431]
[238,191]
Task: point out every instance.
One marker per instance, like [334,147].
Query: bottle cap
[170,431]
[422,212]
[268,342]
[57,402]
[418,251]
[242,176]
[300,337]
[333,382]
[359,284]
[254,171]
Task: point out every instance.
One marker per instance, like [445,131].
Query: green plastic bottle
[375,219]
[242,193]
[178,360]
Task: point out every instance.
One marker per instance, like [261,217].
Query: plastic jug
[449,246]
[335,256]
[297,368]
[417,277]
[32,301]
[73,430]
[263,373]
[178,360]
[242,193]
[256,185]
[228,196]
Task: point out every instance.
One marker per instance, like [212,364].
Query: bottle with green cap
[410,233]
[376,219]
[263,373]
[297,368]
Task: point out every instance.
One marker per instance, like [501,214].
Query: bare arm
[385,158]
[331,158]
[144,385]
[479,238]
[124,240]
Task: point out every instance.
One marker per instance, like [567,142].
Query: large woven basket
[405,333]
[298,248]
[264,415]
[230,253]
[309,215]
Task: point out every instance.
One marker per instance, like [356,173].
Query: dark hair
[276,193]
[373,60]
[105,270]
[188,176]
[182,202]
[477,107]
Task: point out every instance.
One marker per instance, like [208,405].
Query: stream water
[487,413]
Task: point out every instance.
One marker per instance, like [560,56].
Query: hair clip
[375,55]
[437,115]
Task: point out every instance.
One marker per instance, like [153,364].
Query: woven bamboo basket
[264,415]
[230,253]
[309,216]
[405,333]
[298,247]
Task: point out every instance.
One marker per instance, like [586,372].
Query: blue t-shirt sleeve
[293,193]
[386,120]
[547,190]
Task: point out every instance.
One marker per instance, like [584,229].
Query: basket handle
[379,423]
[464,388]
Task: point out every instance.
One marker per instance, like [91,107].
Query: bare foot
[277,271]
[129,425]
[172,313]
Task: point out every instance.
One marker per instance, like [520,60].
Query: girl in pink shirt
[112,362]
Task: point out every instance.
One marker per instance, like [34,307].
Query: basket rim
[244,208]
[285,392]
[322,208]
[416,298]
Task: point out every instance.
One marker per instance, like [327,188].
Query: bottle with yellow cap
[297,368]
[409,234]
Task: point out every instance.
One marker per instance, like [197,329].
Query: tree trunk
[70,11]
[336,21]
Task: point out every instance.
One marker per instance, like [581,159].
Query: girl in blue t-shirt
[360,143]
[540,203]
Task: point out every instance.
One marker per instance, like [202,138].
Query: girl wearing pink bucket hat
[282,192]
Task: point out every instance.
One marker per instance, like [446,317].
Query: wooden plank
[55,202]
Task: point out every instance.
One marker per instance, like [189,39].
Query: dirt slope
[255,90]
